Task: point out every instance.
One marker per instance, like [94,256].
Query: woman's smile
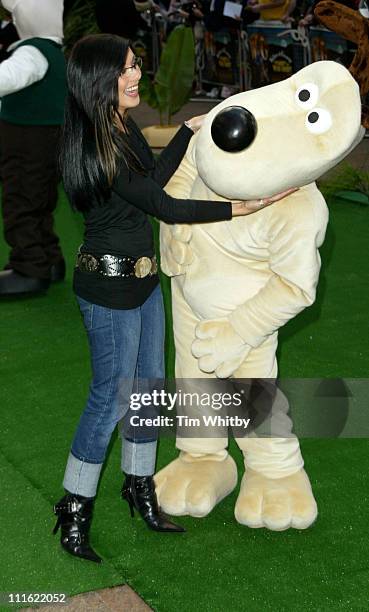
[132,91]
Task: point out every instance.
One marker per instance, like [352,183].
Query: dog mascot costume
[235,283]
[32,91]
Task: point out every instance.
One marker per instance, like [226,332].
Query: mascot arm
[26,66]
[175,252]
[296,231]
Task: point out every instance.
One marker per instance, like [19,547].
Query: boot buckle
[70,507]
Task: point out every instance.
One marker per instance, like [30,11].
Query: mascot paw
[193,485]
[181,252]
[276,504]
[182,232]
[176,253]
[219,348]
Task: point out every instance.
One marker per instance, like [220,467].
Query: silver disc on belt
[143,267]
[89,262]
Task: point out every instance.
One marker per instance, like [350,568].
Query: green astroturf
[217,565]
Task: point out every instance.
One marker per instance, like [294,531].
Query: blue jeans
[127,356]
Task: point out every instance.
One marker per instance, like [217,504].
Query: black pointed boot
[139,492]
[74,514]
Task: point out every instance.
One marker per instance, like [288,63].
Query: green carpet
[217,565]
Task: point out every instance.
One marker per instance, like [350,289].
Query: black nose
[233,129]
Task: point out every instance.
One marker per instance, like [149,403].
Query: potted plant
[172,84]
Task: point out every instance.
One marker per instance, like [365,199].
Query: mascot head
[33,18]
[283,135]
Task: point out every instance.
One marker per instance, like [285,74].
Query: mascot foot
[194,484]
[276,504]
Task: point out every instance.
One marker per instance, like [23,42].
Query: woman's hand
[306,21]
[195,123]
[247,207]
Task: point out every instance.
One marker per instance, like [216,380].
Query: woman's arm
[256,8]
[144,193]
[165,164]
[169,159]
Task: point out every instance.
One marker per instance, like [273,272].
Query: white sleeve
[26,66]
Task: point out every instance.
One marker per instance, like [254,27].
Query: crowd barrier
[263,53]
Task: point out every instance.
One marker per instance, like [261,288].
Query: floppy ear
[353,26]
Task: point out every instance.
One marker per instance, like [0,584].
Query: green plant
[80,21]
[348,183]
[173,80]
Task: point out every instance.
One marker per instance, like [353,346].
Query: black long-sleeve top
[121,226]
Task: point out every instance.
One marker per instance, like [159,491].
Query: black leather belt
[123,266]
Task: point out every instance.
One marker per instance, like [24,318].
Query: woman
[111,177]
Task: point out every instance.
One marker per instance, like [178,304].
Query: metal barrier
[266,52]
[327,45]
[276,51]
[221,59]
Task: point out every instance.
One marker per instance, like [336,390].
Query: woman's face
[128,84]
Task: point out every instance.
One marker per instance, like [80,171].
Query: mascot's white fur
[235,283]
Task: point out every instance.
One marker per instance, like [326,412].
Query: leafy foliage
[80,21]
[172,84]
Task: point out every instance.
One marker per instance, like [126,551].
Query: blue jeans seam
[109,394]
[137,389]
[91,315]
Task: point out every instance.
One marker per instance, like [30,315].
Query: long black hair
[91,144]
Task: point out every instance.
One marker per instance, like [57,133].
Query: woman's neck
[120,122]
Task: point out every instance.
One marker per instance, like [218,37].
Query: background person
[269,10]
[32,91]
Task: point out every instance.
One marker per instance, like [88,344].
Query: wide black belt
[123,266]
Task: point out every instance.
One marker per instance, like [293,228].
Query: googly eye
[307,95]
[318,121]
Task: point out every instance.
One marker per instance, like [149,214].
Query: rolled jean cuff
[139,459]
[81,477]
